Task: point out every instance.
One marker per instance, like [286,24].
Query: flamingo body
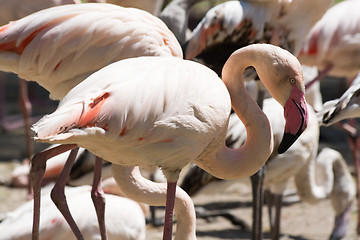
[335,39]
[147,126]
[234,24]
[90,36]
[124,217]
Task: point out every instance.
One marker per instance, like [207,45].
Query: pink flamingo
[124,217]
[172,120]
[234,24]
[333,44]
[90,37]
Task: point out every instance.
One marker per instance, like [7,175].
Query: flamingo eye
[292,80]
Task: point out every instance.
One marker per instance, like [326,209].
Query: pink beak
[296,117]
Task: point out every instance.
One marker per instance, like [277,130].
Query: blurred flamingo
[171,124]
[234,24]
[124,217]
[333,44]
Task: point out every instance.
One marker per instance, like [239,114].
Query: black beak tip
[287,141]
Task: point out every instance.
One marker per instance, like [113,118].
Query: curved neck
[228,163]
[138,188]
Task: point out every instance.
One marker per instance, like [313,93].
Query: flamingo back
[61,46]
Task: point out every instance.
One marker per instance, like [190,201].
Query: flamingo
[124,217]
[333,44]
[30,47]
[235,24]
[170,125]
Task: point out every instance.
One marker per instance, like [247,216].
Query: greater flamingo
[124,217]
[169,124]
[234,24]
[90,36]
[333,44]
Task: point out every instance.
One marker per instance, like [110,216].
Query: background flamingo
[234,24]
[152,132]
[333,44]
[124,217]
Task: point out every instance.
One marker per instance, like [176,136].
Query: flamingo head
[282,75]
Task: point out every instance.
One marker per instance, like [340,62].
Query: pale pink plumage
[238,23]
[125,218]
[335,40]
[61,46]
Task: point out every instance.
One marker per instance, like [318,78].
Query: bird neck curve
[244,161]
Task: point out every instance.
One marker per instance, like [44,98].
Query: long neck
[236,163]
[140,189]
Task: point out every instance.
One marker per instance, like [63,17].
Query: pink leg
[97,195]
[37,170]
[58,194]
[26,110]
[169,210]
[321,74]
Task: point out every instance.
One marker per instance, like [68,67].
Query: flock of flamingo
[139,89]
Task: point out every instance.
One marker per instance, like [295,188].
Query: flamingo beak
[296,117]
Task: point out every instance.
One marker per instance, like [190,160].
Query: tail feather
[63,119]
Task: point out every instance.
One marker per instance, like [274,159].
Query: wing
[347,106]
[61,46]
[228,27]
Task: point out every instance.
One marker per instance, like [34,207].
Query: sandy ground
[299,220]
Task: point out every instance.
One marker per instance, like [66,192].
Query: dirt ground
[299,220]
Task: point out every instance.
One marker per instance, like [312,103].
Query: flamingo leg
[341,224]
[274,202]
[97,195]
[26,110]
[37,170]
[321,75]
[354,142]
[169,210]
[58,194]
[258,198]
[275,234]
